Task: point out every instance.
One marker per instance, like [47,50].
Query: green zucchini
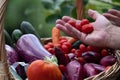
[16,34]
[27,28]
[76,44]
[8,39]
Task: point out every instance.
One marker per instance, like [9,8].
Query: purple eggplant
[98,67]
[30,48]
[90,70]
[75,70]
[91,57]
[11,54]
[108,60]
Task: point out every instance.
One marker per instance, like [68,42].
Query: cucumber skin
[27,28]
[76,44]
[16,34]
[8,39]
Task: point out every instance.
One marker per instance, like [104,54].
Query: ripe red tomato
[62,41]
[78,53]
[68,45]
[51,50]
[50,44]
[73,50]
[84,22]
[65,49]
[72,22]
[104,52]
[60,46]
[92,48]
[87,28]
[82,48]
[46,46]
[63,38]
[78,26]
[43,70]
[62,68]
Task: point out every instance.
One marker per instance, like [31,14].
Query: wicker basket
[112,73]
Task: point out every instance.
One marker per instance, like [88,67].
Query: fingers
[114,19]
[64,29]
[113,16]
[76,33]
[114,12]
[69,29]
[66,18]
[59,21]
[93,14]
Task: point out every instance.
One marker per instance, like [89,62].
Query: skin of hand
[114,16]
[104,35]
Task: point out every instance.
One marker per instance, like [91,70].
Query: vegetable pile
[63,58]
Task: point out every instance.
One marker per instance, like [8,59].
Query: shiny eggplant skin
[11,54]
[30,48]
[75,70]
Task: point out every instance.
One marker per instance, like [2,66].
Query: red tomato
[73,50]
[92,48]
[87,28]
[82,48]
[51,50]
[104,52]
[46,46]
[62,68]
[84,22]
[62,41]
[63,38]
[50,44]
[72,22]
[78,25]
[78,53]
[65,49]
[68,45]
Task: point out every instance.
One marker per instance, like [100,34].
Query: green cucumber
[16,34]
[27,28]
[76,44]
[8,39]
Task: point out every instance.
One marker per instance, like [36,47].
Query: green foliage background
[42,14]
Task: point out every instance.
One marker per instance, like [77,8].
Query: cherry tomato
[82,47]
[72,22]
[104,52]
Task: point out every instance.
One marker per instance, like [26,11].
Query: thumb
[93,14]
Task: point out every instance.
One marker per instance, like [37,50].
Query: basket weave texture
[112,73]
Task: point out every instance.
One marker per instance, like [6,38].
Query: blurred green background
[42,14]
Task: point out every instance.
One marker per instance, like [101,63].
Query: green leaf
[48,4]
[73,13]
[116,0]
[58,2]
[52,18]
[53,60]
[85,2]
[66,10]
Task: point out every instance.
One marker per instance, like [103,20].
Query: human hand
[103,33]
[114,16]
